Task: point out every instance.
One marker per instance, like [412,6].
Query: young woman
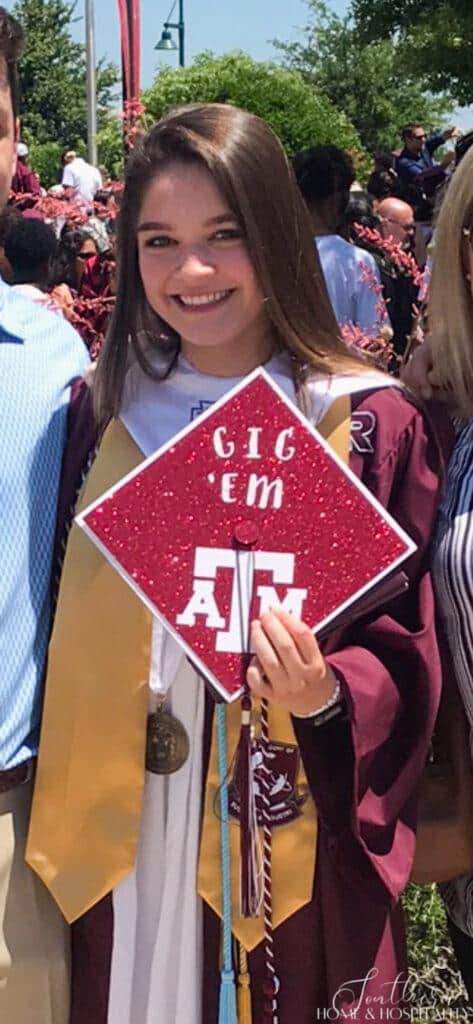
[443,367]
[217,275]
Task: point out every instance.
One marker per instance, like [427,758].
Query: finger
[267,656]
[257,681]
[283,643]
[302,635]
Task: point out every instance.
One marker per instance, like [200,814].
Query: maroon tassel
[250,866]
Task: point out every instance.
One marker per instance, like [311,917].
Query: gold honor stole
[89,786]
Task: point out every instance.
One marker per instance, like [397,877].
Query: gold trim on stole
[89,786]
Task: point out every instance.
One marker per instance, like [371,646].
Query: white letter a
[202,602]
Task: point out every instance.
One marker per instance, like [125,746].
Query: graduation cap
[246,508]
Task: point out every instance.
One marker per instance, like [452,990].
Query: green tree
[294,109]
[364,80]
[53,76]
[110,146]
[435,38]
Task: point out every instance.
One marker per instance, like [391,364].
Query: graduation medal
[167,743]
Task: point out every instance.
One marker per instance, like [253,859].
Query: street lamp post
[167,42]
[91,83]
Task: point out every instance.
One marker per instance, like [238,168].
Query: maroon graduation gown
[344,951]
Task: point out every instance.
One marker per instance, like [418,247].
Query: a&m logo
[231,635]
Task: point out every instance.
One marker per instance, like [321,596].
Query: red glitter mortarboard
[246,508]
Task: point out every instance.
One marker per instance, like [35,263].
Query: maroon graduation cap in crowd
[245,509]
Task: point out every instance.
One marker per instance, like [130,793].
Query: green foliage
[434,37]
[297,112]
[435,982]
[53,75]
[364,80]
[45,157]
[110,146]
[426,925]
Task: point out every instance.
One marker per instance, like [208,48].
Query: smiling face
[197,274]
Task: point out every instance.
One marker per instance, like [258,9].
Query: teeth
[202,300]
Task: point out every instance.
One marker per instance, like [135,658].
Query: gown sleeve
[364,766]
[82,437]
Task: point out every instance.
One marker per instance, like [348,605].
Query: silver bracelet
[333,699]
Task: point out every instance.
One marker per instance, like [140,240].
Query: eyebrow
[157,225]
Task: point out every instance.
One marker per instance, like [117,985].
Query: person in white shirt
[82,178]
[324,175]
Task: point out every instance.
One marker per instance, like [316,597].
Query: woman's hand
[419,373]
[288,668]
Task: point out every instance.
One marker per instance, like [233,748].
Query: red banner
[129,14]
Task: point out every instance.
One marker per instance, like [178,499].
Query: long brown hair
[251,170]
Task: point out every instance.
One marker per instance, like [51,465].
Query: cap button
[246,534]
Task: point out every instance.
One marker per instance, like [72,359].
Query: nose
[195,264]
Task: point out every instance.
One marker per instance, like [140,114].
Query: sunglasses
[419,138]
[85,255]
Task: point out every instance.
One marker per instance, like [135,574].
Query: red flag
[129,14]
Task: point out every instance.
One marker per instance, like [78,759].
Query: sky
[217,25]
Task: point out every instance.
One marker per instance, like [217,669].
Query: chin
[206,342]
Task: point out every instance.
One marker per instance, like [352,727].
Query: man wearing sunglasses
[415,164]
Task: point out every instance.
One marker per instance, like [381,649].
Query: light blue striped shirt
[40,354]
[453,580]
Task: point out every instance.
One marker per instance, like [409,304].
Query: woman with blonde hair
[443,368]
[217,275]
[451,343]
[450,303]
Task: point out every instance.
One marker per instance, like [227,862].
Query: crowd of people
[216,256]
[374,245]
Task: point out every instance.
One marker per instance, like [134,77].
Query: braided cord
[271,1003]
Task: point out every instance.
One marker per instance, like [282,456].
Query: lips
[204,302]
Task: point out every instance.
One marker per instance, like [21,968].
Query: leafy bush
[298,114]
[110,146]
[435,982]
[45,159]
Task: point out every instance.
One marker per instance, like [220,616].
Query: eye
[227,234]
[159,242]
